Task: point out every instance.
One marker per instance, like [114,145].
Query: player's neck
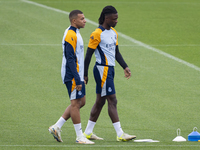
[105,26]
[75,26]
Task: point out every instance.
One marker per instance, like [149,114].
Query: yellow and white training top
[104,42]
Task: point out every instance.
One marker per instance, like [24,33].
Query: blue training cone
[194,136]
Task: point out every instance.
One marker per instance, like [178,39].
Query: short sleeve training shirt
[104,42]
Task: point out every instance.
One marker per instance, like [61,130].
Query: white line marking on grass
[47,7]
[100,145]
[124,2]
[186,45]
[159,51]
[30,44]
[192,45]
[124,36]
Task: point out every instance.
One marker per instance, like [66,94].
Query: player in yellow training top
[104,42]
[72,73]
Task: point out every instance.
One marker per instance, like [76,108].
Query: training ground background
[159,39]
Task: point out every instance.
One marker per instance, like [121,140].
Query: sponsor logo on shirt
[110,45]
[81,46]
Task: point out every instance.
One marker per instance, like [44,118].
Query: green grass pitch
[161,96]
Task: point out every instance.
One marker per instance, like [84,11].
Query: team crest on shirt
[72,38]
[92,37]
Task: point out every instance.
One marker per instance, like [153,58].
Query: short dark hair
[74,13]
[106,10]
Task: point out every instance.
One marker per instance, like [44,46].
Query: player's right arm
[87,62]
[93,43]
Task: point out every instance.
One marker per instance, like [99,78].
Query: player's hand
[78,87]
[127,73]
[85,79]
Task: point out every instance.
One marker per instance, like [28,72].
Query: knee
[78,103]
[100,103]
[112,101]
[82,103]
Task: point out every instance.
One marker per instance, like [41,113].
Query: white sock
[60,122]
[78,129]
[90,127]
[118,128]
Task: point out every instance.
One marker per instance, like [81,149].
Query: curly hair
[106,10]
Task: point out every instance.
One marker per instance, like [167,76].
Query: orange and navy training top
[73,56]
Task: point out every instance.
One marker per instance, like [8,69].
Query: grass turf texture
[161,96]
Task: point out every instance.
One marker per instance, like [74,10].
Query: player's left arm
[122,63]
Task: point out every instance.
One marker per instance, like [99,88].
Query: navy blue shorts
[73,93]
[104,77]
